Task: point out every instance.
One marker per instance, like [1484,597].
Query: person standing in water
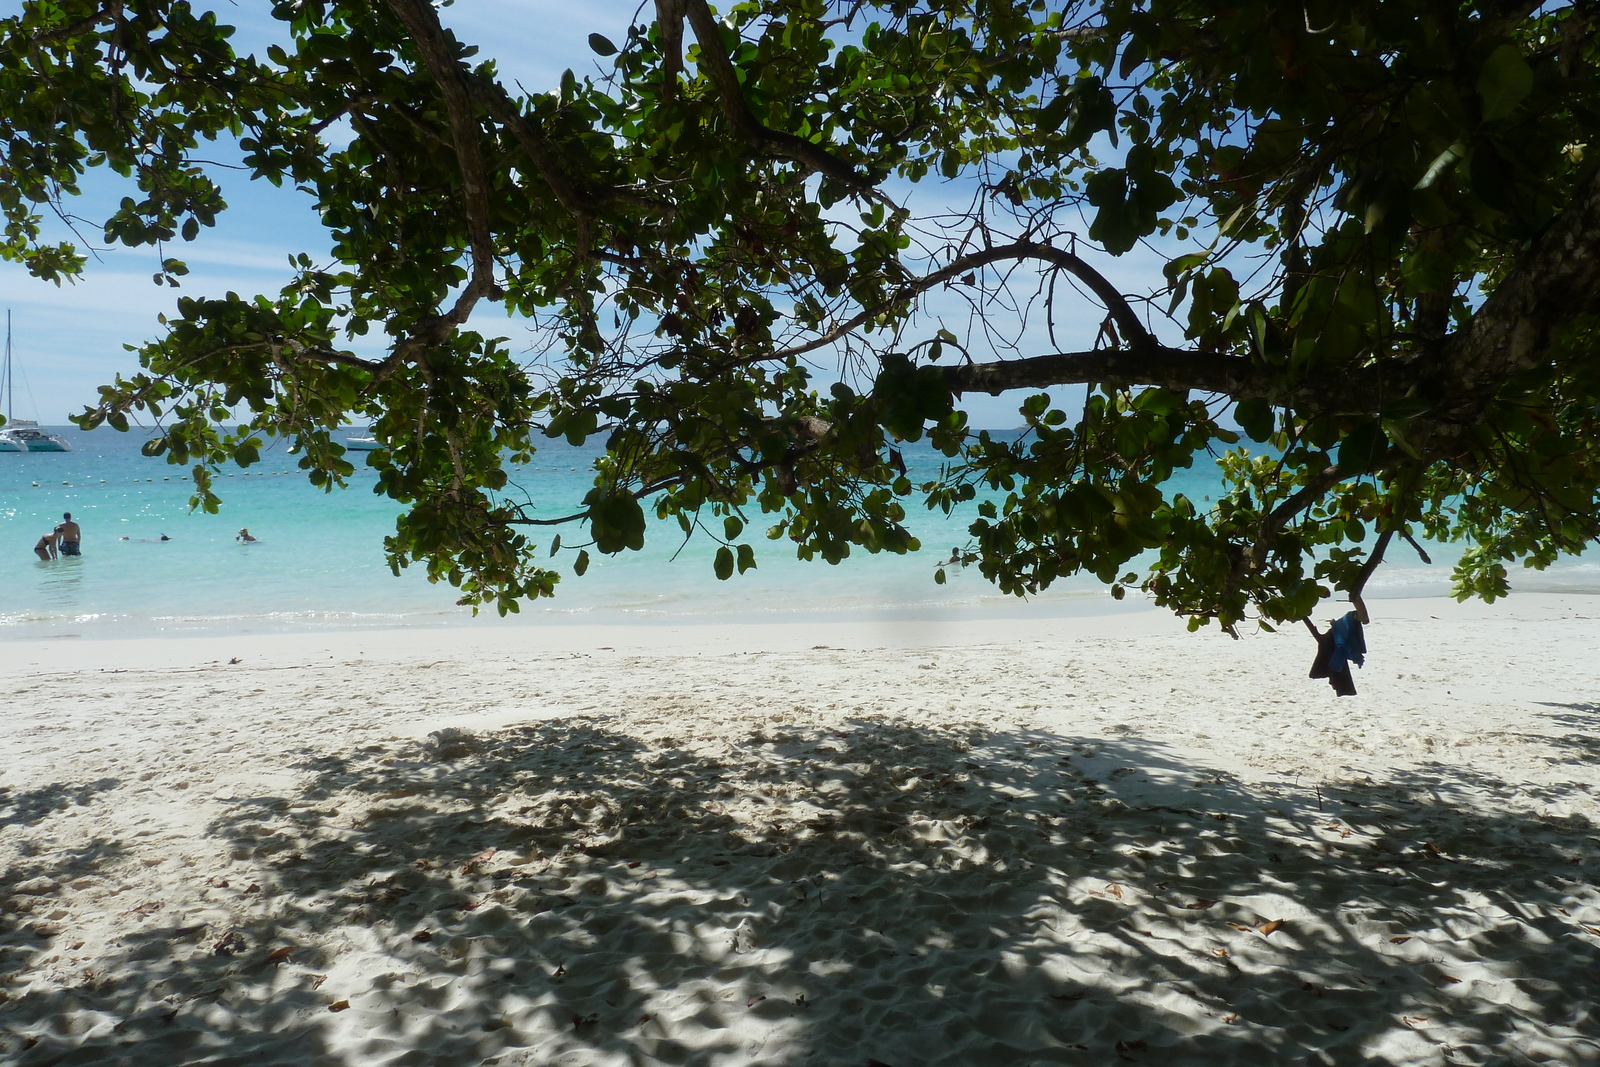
[244,535]
[68,536]
[45,549]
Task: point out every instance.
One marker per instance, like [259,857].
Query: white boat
[23,435]
[25,438]
[362,444]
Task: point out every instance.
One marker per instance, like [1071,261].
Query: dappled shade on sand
[869,890]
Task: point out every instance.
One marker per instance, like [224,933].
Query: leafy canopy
[1379,221]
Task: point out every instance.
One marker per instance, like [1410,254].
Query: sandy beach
[1092,840]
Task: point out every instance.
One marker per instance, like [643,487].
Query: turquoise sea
[319,558]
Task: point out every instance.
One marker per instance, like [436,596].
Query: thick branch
[669,22]
[1173,368]
[1556,280]
[1078,34]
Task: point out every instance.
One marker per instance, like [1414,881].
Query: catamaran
[24,435]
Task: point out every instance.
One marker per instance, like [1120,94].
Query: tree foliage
[1379,221]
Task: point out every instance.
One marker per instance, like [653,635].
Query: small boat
[362,444]
[23,435]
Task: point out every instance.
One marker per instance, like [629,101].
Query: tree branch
[422,24]
[1555,281]
[534,145]
[357,101]
[1275,520]
[719,68]
[73,29]
[1133,330]
[669,20]
[1172,368]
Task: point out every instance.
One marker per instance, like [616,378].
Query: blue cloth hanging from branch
[1342,644]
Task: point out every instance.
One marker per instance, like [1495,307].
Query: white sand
[1083,841]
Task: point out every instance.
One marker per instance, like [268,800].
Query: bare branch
[1127,320]
[1078,33]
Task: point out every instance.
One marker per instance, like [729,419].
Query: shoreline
[1090,601]
[1083,839]
[1059,616]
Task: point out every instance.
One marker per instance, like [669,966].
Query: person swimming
[244,535]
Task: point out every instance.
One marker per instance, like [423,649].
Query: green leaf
[601,45]
[1184,264]
[1504,82]
[724,563]
[581,564]
[1442,163]
[1255,418]
[1396,432]
[747,558]
[1428,269]
[1363,448]
[617,522]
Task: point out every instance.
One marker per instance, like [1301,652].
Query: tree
[1380,223]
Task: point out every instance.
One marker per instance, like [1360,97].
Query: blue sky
[69,340]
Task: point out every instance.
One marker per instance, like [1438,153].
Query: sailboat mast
[9,389]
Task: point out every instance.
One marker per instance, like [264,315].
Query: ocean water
[319,559]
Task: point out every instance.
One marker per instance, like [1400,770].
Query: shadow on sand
[877,893]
